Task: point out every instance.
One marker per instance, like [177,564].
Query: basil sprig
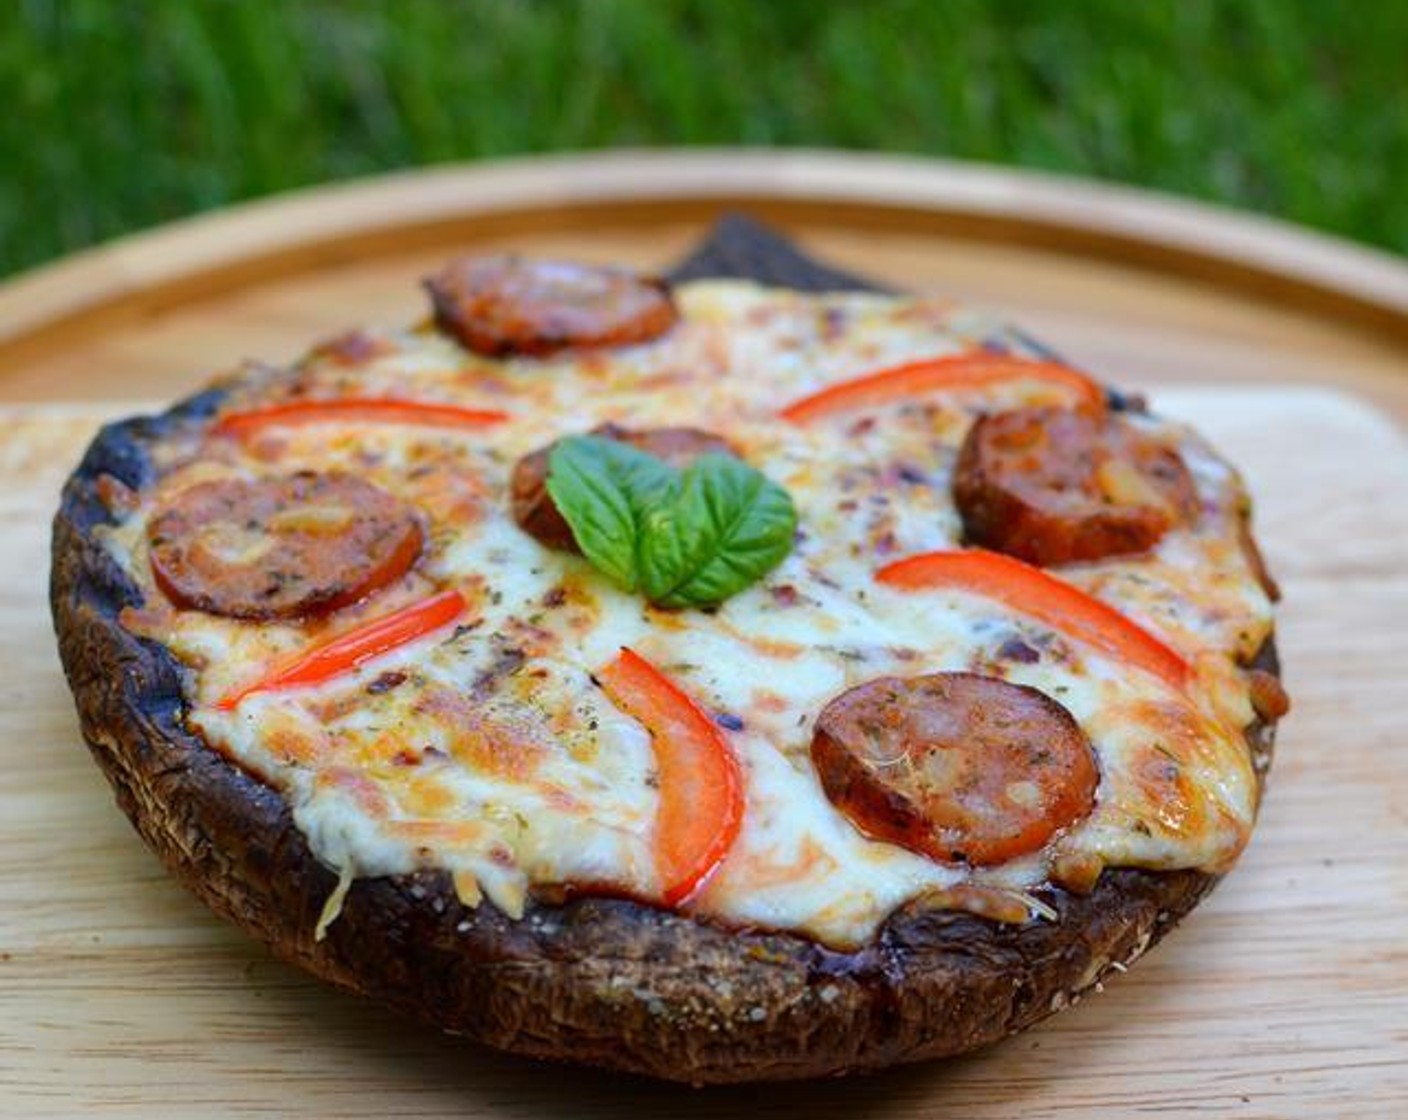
[688,538]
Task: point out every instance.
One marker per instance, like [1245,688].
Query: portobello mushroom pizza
[712,680]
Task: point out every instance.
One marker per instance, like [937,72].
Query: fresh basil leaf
[604,490]
[684,539]
[725,527]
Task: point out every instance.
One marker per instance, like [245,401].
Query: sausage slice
[1053,486]
[959,767]
[533,507]
[304,544]
[508,305]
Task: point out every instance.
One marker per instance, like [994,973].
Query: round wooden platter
[1282,996]
[1140,287]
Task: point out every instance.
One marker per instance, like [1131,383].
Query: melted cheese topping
[490,752]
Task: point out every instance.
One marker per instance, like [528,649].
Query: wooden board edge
[145,273]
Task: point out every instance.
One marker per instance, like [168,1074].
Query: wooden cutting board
[1285,995]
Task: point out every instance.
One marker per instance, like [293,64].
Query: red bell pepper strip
[347,651]
[373,410]
[701,790]
[1032,592]
[951,371]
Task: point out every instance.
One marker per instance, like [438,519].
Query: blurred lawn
[119,115]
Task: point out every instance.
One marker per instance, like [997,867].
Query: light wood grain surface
[1285,995]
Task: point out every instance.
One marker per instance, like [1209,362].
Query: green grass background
[119,114]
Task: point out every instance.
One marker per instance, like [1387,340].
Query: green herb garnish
[689,538]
